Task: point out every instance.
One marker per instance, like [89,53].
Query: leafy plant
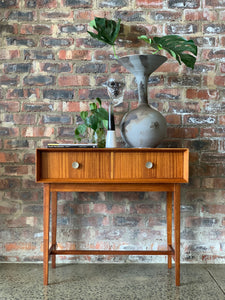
[176,46]
[96,118]
[107,31]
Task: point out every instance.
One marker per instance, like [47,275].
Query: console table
[111,170]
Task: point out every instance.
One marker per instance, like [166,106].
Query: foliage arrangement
[96,119]
[177,46]
[107,31]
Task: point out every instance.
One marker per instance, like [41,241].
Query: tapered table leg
[177,232]
[169,226]
[54,226]
[46,232]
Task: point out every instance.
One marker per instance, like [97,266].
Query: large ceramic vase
[144,126]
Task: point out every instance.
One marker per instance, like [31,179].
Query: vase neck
[142,85]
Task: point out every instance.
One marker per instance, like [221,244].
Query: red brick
[19,246]
[76,80]
[36,29]
[37,131]
[214,183]
[8,157]
[75,54]
[204,15]
[9,106]
[9,54]
[202,94]
[187,132]
[173,119]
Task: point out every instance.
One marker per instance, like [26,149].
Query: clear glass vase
[99,137]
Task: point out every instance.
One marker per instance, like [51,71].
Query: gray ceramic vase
[143,126]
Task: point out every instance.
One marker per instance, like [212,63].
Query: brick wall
[50,70]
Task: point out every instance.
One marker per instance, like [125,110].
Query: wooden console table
[112,170]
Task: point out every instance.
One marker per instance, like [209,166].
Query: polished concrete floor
[112,282]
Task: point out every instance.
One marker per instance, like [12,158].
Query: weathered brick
[17,68]
[214,3]
[9,4]
[9,106]
[183,4]
[214,28]
[92,94]
[128,221]
[41,4]
[92,68]
[48,119]
[165,15]
[20,118]
[66,132]
[5,28]
[213,54]
[213,183]
[21,16]
[78,3]
[56,42]
[182,29]
[185,81]
[39,80]
[113,3]
[38,54]
[58,15]
[16,170]
[12,132]
[129,16]
[37,107]
[8,81]
[15,144]
[58,94]
[215,132]
[169,94]
[73,28]
[21,41]
[200,119]
[22,93]
[36,29]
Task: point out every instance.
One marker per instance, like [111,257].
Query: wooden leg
[54,226]
[169,226]
[46,232]
[177,232]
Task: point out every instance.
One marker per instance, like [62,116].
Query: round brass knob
[149,165]
[75,165]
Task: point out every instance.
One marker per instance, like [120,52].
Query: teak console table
[111,170]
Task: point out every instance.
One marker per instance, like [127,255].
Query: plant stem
[114,51]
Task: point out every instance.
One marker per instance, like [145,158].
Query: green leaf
[83,115]
[176,46]
[99,101]
[107,30]
[93,106]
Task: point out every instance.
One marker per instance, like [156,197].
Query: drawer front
[149,165]
[75,165]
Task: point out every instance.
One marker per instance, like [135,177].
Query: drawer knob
[149,165]
[75,165]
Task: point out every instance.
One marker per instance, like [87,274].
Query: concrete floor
[112,282]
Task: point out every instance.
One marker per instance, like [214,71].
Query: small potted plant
[97,120]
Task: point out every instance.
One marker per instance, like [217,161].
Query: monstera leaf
[107,30]
[176,46]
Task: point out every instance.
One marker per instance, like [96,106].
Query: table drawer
[149,165]
[78,165]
